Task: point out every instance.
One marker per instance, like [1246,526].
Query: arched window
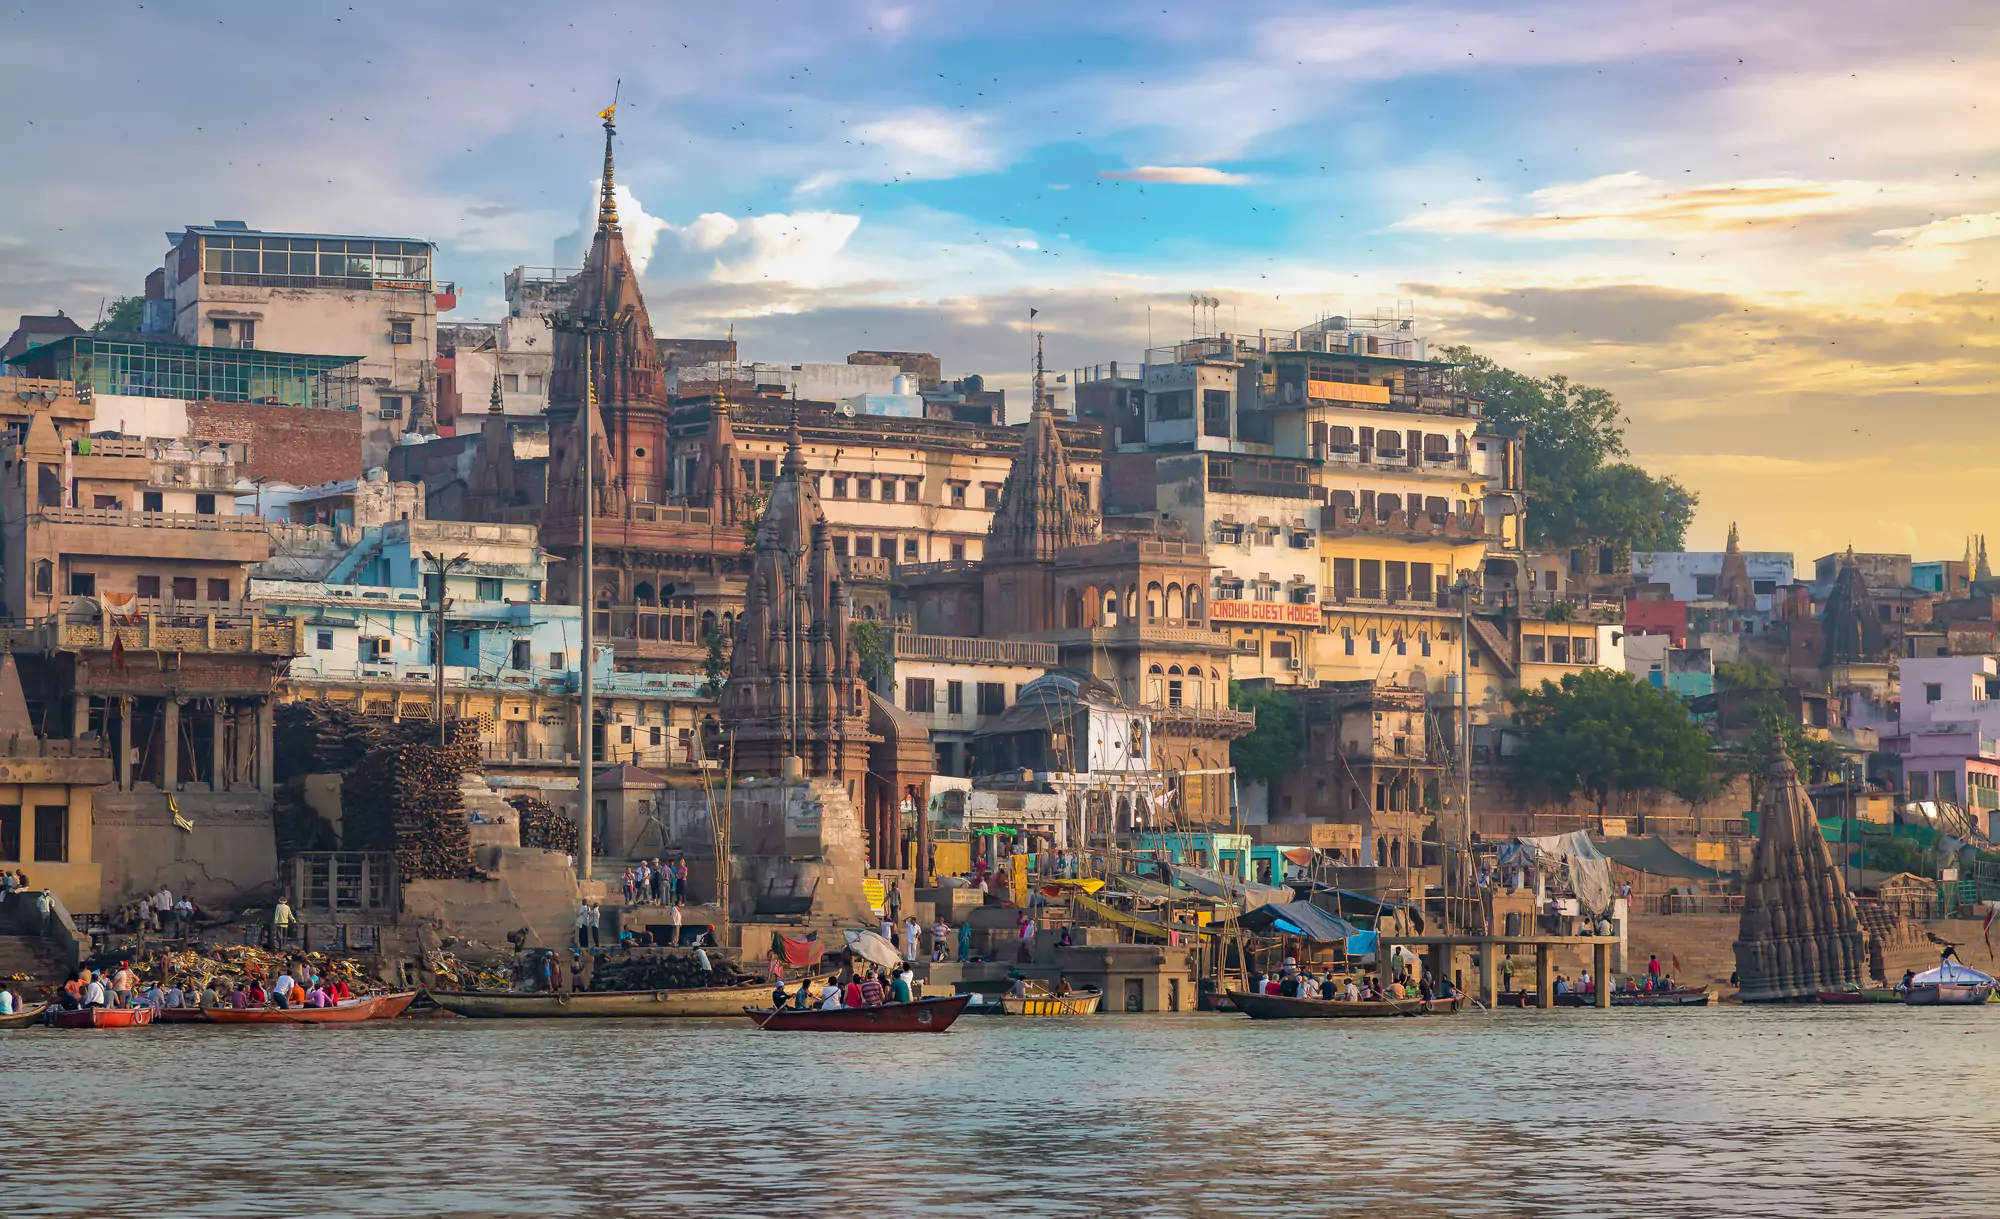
[1175,670]
[707,623]
[642,593]
[1131,600]
[1111,607]
[1194,607]
[1072,611]
[1176,603]
[1381,852]
[1155,670]
[868,613]
[1092,607]
[1153,602]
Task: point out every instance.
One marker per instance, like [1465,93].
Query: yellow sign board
[1614,827]
[876,894]
[1347,391]
[1336,836]
[1284,612]
[1020,879]
[1708,852]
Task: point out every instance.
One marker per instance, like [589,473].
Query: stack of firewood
[405,798]
[543,827]
[320,737]
[665,971]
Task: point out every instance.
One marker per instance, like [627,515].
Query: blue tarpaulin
[1298,918]
[1363,944]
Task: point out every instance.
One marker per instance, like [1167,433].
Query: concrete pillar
[124,771]
[1545,977]
[1489,984]
[267,770]
[170,752]
[79,705]
[215,771]
[1600,968]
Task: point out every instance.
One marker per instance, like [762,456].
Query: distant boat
[105,1018]
[1282,1007]
[1861,994]
[31,1014]
[354,1011]
[1951,984]
[1042,1003]
[1680,996]
[644,1004]
[918,1016]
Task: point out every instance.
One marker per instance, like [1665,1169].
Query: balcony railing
[147,520]
[1553,607]
[1337,519]
[158,631]
[1167,716]
[964,650]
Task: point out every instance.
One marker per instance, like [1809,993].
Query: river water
[1850,1111]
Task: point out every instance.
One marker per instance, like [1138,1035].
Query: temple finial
[496,405]
[607,206]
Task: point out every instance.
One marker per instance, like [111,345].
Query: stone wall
[229,858]
[304,446]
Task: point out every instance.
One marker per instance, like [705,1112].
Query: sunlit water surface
[1818,1112]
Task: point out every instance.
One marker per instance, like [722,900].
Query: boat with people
[594,1004]
[1042,1002]
[104,1018]
[1678,996]
[1951,984]
[1282,1007]
[916,1016]
[31,1014]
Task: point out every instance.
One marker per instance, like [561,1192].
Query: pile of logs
[405,798]
[321,737]
[543,827]
[675,971]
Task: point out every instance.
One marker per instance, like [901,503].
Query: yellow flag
[609,113]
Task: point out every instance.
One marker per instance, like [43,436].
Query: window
[399,332]
[1537,649]
[954,698]
[1215,412]
[1347,639]
[184,588]
[1420,582]
[1920,785]
[992,494]
[1947,789]
[958,552]
[511,383]
[323,640]
[534,383]
[558,660]
[1933,691]
[864,488]
[957,492]
[523,655]
[45,575]
[389,407]
[919,695]
[1764,588]
[839,487]
[767,471]
[218,590]
[152,501]
[488,589]
[204,504]
[51,833]
[913,491]
[10,831]
[992,696]
[1374,644]
[624,734]
[1176,404]
[148,587]
[1704,586]
[1371,579]
[1424,642]
[840,546]
[83,584]
[864,548]
[886,547]
[1559,650]
[1281,649]
[372,649]
[909,550]
[1173,692]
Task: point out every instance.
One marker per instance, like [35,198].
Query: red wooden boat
[105,1018]
[351,1012]
[919,1016]
[391,1005]
[180,1015]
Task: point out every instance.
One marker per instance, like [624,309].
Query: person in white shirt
[583,925]
[281,990]
[674,920]
[829,999]
[913,938]
[94,995]
[1353,992]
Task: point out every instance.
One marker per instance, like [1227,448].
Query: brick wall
[299,445]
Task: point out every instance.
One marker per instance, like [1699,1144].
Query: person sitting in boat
[1062,984]
[1562,985]
[871,989]
[829,996]
[1352,992]
[1288,986]
[903,989]
[1909,980]
[1308,989]
[778,995]
[1018,989]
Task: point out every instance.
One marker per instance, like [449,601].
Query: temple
[1800,933]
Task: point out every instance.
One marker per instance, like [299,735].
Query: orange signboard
[1347,391]
[1283,612]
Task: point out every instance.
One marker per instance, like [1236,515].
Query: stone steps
[31,956]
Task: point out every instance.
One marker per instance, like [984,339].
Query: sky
[1771,229]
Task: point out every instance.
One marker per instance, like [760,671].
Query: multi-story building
[373,298]
[959,686]
[1696,575]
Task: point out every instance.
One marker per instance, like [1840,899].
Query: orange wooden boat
[392,1005]
[351,1012]
[105,1018]
[180,1015]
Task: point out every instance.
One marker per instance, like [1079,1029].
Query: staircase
[28,964]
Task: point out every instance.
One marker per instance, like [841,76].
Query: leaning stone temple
[1800,934]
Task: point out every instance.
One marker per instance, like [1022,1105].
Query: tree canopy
[1270,749]
[1602,731]
[125,314]
[1774,731]
[1579,488]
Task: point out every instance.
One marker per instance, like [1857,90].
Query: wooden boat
[918,1016]
[1868,994]
[1280,1007]
[392,1005]
[1043,1003]
[180,1015]
[1951,984]
[644,1004]
[105,1018]
[354,1011]
[30,1014]
[1680,996]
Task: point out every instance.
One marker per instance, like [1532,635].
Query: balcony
[866,567]
[960,649]
[126,518]
[1171,633]
[1180,719]
[1551,607]
[158,631]
[1377,599]
[1340,521]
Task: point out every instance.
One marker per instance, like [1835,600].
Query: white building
[1695,575]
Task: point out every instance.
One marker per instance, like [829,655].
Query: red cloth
[801,952]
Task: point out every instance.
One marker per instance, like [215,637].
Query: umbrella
[872,947]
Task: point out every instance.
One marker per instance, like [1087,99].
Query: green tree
[1574,436]
[1602,731]
[715,666]
[875,647]
[127,313]
[1271,749]
[1774,732]
[1746,675]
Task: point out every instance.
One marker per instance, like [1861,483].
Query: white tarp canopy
[1227,887]
[871,947]
[1951,973]
[1589,870]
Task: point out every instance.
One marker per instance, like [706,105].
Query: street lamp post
[443,567]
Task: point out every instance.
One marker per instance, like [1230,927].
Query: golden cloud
[1632,205]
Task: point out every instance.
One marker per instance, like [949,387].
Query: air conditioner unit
[1295,664]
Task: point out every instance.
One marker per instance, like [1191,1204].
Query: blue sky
[1772,228]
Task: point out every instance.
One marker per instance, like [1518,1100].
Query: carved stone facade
[1800,933]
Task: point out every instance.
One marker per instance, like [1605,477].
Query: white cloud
[1632,205]
[799,248]
[930,144]
[1952,230]
[1181,175]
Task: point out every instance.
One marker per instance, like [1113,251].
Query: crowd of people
[1293,983]
[651,882]
[870,987]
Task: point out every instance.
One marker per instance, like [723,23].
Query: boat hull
[352,1012]
[919,1016]
[31,1014]
[1279,1007]
[626,1004]
[1079,1003]
[105,1018]
[1691,996]
[1873,994]
[392,1005]
[1948,994]
[180,1015]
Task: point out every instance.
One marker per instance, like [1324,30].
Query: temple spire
[496,405]
[1041,402]
[607,206]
